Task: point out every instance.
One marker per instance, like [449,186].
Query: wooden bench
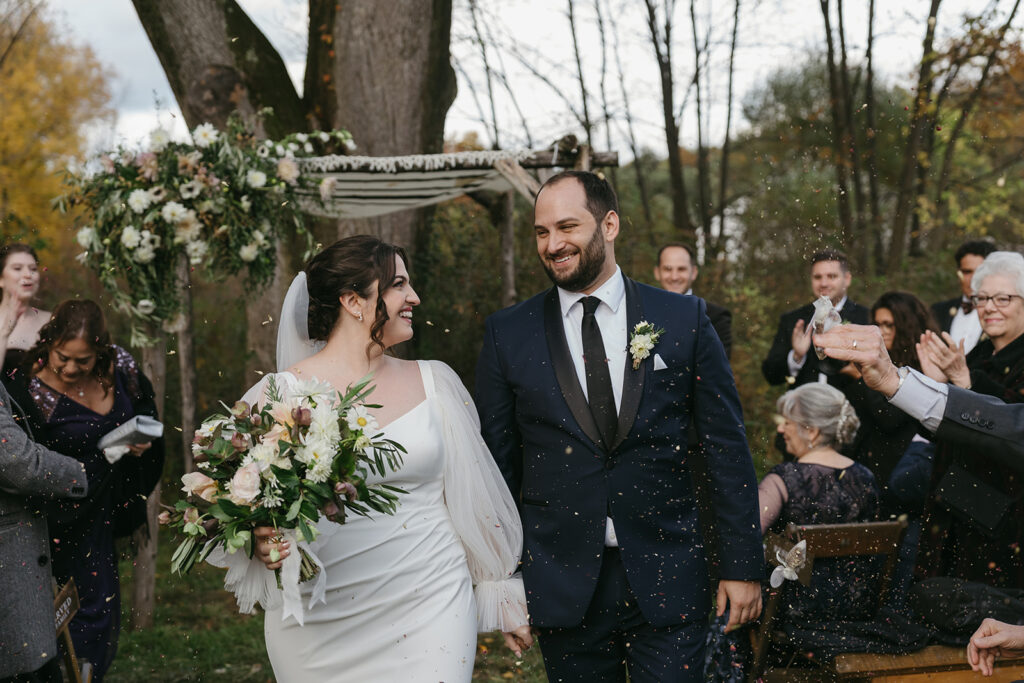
[933,663]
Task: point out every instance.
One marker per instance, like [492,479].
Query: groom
[592,440]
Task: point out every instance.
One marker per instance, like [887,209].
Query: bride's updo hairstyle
[349,265]
[819,405]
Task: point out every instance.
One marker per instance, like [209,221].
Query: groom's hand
[743,599]
[519,640]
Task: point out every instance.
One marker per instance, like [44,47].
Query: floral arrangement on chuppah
[221,201]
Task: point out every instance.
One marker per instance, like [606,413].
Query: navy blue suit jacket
[539,428]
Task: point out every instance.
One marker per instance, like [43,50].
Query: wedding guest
[789,359]
[957,315]
[30,476]
[886,431]
[974,524]
[821,486]
[75,386]
[19,320]
[676,272]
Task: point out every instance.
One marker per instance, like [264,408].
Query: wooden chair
[65,605]
[823,541]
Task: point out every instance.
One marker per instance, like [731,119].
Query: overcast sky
[773,34]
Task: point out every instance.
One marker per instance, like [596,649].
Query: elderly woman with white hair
[821,486]
[974,521]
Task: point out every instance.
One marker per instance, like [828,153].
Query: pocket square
[659,364]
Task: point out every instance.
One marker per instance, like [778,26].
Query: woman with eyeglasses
[885,431]
[974,520]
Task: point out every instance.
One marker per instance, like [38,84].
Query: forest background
[822,151]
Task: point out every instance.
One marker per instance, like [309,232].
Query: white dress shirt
[966,326]
[922,398]
[611,318]
[794,367]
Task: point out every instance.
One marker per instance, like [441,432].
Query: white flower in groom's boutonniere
[644,337]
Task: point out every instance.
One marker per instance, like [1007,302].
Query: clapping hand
[801,340]
[993,639]
[943,360]
[520,640]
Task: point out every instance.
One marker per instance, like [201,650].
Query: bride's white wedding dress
[400,603]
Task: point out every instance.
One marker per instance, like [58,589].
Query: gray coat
[29,475]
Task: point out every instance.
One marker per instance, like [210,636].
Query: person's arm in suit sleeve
[496,404]
[723,326]
[732,483]
[775,367]
[28,469]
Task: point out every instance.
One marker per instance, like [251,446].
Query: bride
[399,600]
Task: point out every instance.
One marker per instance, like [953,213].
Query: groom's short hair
[599,193]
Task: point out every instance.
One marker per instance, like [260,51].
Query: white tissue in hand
[825,318]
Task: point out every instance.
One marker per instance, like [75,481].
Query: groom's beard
[591,263]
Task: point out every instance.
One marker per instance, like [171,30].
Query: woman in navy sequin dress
[76,386]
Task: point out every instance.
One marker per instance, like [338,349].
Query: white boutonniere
[644,337]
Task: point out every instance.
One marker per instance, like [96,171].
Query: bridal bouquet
[282,465]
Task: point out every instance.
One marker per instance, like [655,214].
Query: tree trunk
[850,143]
[703,164]
[839,131]
[662,44]
[187,363]
[394,85]
[873,244]
[918,123]
[715,246]
[154,365]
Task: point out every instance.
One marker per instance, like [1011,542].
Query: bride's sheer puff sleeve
[481,508]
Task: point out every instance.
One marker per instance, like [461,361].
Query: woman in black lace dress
[821,486]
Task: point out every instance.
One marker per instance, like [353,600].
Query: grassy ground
[198,635]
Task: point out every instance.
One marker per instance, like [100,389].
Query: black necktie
[967,305]
[599,379]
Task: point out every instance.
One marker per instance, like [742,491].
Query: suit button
[964,416]
[43,560]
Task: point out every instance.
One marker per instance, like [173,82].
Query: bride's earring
[360,316]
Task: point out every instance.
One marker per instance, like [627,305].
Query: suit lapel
[565,370]
[632,380]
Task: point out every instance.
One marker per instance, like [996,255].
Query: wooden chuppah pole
[154,365]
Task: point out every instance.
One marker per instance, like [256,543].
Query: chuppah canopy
[364,186]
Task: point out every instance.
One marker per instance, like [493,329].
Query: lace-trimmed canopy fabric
[361,186]
[365,186]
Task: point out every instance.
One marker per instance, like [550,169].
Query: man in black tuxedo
[957,316]
[587,419]
[676,271]
[791,359]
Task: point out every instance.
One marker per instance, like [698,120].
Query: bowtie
[966,306]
